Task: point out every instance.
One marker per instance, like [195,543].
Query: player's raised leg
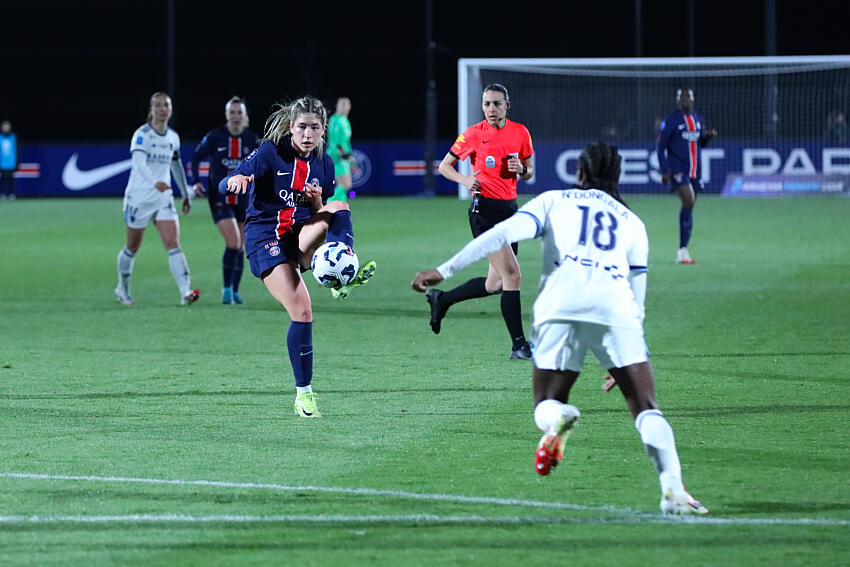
[332,223]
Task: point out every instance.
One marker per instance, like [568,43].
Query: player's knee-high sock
[512,314]
[180,270]
[299,342]
[686,225]
[340,228]
[657,437]
[467,290]
[238,266]
[547,413]
[228,265]
[125,267]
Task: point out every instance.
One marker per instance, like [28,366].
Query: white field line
[412,519]
[626,516]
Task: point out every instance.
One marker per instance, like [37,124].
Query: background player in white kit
[155,149]
[592,293]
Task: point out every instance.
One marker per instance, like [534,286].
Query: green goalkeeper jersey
[339,136]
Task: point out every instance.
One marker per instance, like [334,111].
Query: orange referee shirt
[488,150]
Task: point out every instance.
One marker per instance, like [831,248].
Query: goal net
[774,115]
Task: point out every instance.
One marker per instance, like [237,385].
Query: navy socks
[299,342]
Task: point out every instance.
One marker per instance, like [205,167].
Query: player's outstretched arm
[518,227]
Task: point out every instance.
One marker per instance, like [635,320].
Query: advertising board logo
[76,179]
[361,171]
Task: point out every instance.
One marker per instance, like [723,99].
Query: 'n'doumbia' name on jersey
[488,150]
[280,176]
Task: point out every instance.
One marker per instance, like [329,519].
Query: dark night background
[83,71]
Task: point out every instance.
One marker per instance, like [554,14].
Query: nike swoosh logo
[484,141]
[76,180]
[283,173]
[221,149]
[306,353]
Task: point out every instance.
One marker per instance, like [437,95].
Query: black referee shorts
[490,213]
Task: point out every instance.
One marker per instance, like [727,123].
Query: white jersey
[159,152]
[591,243]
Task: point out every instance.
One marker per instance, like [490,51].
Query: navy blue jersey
[279,179]
[678,148]
[225,152]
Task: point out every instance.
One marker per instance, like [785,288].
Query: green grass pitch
[425,452]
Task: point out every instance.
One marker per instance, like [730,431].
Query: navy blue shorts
[267,253]
[228,206]
[679,178]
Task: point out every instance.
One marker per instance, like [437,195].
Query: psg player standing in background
[682,134]
[226,146]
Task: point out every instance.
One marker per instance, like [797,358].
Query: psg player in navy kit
[288,179]
[682,134]
[226,147]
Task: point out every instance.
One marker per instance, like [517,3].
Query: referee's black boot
[522,353]
[437,311]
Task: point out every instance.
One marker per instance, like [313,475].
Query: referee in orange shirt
[499,151]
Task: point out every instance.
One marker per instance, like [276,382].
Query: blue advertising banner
[555,164]
[397,168]
[777,185]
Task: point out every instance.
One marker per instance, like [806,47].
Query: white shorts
[139,216]
[562,345]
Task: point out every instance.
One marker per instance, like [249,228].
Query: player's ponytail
[279,123]
[599,168]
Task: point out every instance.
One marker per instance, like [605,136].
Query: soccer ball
[334,264]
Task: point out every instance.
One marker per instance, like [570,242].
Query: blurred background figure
[339,148]
[836,126]
[683,133]
[8,160]
[226,146]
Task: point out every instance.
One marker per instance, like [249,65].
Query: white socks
[180,270]
[657,436]
[125,267]
[547,413]
[303,389]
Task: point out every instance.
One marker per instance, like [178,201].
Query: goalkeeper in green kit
[339,148]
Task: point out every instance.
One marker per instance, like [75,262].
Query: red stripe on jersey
[300,173]
[284,221]
[692,147]
[234,149]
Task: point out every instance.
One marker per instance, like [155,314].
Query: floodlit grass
[425,451]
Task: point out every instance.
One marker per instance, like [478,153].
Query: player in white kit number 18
[592,292]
